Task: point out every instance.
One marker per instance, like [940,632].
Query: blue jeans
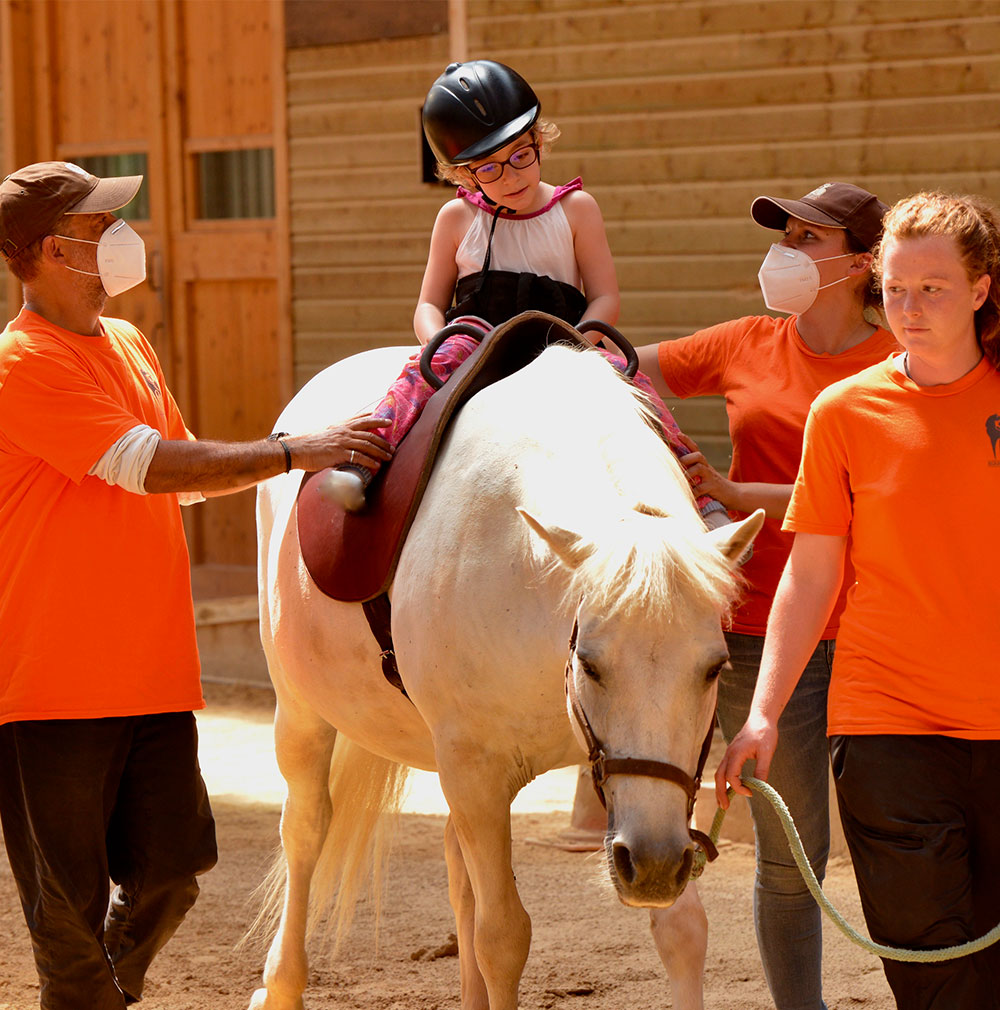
[787,919]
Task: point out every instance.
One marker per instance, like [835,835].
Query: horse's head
[643,663]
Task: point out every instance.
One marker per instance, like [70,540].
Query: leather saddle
[352,556]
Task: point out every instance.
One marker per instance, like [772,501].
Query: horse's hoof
[345,488]
[261,1001]
[258,1001]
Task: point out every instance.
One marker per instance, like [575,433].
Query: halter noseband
[603,767]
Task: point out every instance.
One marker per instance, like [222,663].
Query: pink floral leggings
[410,392]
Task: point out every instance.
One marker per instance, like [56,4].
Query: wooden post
[458,31]
[282,206]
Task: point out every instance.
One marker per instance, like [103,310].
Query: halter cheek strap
[603,767]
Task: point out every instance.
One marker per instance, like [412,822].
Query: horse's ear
[567,546]
[734,538]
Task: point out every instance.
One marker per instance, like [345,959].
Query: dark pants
[920,819]
[85,800]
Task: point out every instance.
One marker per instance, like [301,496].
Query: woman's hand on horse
[705,478]
[756,741]
[354,441]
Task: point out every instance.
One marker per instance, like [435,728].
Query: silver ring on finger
[352,455]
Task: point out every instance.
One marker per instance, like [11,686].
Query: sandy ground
[588,951]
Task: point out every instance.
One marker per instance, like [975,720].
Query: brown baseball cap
[33,198]
[832,205]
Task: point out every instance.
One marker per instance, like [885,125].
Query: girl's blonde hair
[974,223]
[543,136]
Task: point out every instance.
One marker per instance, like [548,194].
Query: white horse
[553,501]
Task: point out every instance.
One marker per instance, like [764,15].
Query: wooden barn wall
[676,114]
[360,216]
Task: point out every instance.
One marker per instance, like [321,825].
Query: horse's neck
[569,436]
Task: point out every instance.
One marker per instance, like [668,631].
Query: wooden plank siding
[360,215]
[676,113]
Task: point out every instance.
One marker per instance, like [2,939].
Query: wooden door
[229,241]
[82,84]
[191,94]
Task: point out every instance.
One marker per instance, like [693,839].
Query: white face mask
[789,279]
[121,258]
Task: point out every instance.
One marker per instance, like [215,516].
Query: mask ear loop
[71,238]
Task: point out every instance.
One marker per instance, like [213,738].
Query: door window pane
[109,165]
[236,184]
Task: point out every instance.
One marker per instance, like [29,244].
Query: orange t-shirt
[769,377]
[913,474]
[96,617]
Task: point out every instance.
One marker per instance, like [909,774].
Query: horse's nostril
[624,866]
[684,872]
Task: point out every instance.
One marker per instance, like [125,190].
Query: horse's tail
[366,792]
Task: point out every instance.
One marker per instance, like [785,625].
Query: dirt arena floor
[588,951]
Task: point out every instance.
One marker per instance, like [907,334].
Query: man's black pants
[83,801]
[920,819]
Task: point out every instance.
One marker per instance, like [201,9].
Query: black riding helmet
[475,108]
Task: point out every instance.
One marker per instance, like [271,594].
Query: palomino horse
[553,503]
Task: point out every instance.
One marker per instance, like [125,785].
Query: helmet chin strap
[489,242]
[493,227]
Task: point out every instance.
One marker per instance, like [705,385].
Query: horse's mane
[627,494]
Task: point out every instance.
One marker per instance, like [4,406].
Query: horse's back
[348,387]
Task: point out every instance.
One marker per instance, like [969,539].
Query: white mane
[605,473]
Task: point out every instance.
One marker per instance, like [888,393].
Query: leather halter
[603,767]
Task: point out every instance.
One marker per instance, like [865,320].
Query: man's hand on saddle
[705,479]
[355,441]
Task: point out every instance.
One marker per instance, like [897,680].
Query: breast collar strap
[603,767]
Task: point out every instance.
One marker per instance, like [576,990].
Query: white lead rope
[802,862]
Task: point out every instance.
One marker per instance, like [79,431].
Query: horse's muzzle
[646,876]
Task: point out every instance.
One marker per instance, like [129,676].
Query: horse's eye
[589,670]
[716,670]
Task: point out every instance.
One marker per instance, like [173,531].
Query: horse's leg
[479,799]
[681,936]
[463,903]
[303,745]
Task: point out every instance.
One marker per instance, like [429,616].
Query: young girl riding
[508,243]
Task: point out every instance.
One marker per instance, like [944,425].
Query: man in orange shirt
[99,672]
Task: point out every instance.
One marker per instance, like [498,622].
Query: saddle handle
[427,354]
[628,351]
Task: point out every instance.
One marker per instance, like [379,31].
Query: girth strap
[378,611]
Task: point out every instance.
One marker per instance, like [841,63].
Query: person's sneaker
[345,487]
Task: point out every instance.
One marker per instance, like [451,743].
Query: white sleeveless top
[539,243]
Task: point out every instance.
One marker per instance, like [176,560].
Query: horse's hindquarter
[321,653]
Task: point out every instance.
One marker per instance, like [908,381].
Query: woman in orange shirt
[769,370]
[914,708]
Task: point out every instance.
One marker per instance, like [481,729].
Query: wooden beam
[328,22]
[282,203]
